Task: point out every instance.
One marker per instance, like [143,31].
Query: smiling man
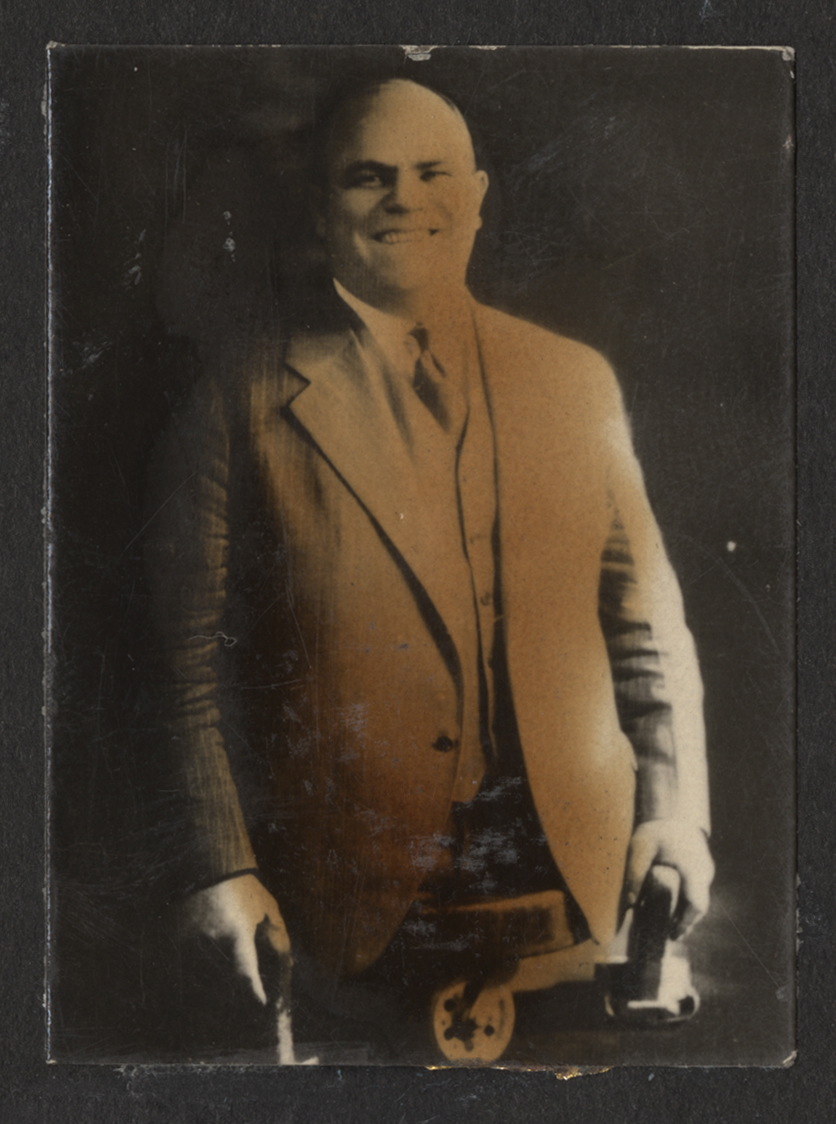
[416,539]
[402,200]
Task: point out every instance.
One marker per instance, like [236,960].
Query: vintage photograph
[420,681]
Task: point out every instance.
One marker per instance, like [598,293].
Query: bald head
[399,98]
[402,195]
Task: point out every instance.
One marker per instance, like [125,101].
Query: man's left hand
[682,846]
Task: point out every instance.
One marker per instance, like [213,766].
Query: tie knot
[421,337]
[445,398]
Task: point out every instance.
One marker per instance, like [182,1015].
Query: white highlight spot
[417,53]
[731,547]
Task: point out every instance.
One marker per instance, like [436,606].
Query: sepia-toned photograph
[420,683]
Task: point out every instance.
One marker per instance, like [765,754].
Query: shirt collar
[389,331]
[456,349]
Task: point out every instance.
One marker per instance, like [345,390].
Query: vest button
[445,744]
[486,598]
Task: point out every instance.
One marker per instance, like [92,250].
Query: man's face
[404,196]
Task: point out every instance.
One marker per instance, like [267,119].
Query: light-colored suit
[294,544]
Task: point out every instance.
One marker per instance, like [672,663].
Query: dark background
[34,1091]
[641,201]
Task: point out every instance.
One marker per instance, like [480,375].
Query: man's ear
[480,181]
[481,177]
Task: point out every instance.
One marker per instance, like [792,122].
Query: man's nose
[406,194]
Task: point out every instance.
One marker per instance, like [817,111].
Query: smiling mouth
[395,237]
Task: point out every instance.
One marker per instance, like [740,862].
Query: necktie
[440,393]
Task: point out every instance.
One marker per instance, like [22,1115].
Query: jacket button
[444,744]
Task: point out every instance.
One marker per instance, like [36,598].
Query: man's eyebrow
[357,166]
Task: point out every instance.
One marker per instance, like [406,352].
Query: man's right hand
[233,912]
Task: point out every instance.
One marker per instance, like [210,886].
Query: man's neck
[428,308]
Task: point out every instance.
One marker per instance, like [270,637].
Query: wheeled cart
[645,975]
[458,965]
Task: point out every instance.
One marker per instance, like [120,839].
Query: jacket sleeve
[656,678]
[187,549]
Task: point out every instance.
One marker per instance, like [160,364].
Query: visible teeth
[392,236]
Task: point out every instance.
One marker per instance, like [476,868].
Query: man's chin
[406,288]
[429,278]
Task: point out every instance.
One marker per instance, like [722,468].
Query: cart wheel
[473,1023]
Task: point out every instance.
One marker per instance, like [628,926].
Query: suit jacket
[315,687]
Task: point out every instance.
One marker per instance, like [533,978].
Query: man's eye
[365,179]
[432,173]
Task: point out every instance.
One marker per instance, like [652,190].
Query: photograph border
[621,217]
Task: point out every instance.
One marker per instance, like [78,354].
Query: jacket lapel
[346,411]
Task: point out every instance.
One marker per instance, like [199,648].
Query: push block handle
[647,976]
